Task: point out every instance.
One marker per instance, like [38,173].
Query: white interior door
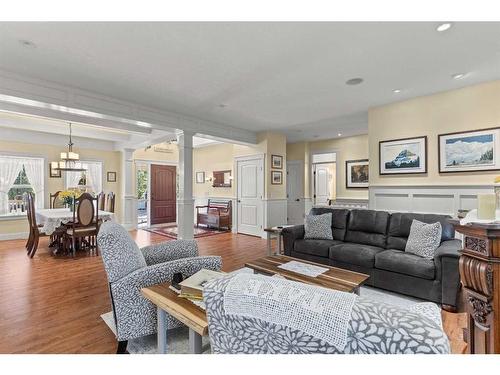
[294,193]
[322,184]
[250,194]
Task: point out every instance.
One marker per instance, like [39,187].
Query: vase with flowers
[68,197]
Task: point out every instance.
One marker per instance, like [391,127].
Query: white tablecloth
[54,217]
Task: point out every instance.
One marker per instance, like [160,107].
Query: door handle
[297,200]
[239,201]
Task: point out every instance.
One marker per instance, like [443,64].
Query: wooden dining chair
[34,229]
[101,201]
[55,202]
[83,229]
[110,202]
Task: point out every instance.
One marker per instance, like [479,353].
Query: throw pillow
[318,227]
[424,239]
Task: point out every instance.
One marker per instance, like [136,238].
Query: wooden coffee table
[334,278]
[169,302]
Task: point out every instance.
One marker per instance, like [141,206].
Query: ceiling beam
[47,99]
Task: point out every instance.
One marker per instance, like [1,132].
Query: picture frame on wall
[111,176]
[276,161]
[276,177]
[200,177]
[356,174]
[54,173]
[469,151]
[403,156]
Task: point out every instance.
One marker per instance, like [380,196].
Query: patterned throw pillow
[318,227]
[424,239]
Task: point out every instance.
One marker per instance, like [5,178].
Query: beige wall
[348,148]
[111,163]
[469,108]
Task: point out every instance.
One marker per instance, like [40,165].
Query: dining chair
[55,202]
[101,201]
[110,202]
[85,225]
[34,229]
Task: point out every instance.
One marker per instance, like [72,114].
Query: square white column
[129,198]
[185,200]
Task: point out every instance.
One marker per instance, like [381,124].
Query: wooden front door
[163,194]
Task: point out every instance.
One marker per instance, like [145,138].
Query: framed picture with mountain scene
[469,151]
[403,156]
[356,173]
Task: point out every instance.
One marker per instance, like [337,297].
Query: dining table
[50,219]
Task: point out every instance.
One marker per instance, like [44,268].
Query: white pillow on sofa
[318,227]
[424,239]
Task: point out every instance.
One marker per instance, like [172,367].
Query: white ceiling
[270,76]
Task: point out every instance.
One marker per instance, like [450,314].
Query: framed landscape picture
[356,173]
[276,177]
[469,151]
[403,156]
[276,161]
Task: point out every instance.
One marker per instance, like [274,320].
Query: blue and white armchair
[129,269]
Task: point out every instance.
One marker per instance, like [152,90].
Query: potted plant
[68,197]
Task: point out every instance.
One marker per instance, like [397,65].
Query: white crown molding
[48,99]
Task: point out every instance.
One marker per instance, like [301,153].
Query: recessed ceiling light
[396,91]
[339,135]
[443,27]
[27,43]
[458,76]
[354,81]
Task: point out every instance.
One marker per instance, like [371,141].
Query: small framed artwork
[111,176]
[276,161]
[356,174]
[200,177]
[403,156]
[469,151]
[276,177]
[54,173]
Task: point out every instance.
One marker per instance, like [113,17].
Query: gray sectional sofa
[373,242]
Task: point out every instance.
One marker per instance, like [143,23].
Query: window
[91,178]
[18,176]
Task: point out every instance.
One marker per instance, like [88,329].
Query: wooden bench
[217,213]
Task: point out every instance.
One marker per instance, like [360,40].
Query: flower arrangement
[68,197]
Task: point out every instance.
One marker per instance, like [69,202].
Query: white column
[185,200]
[129,198]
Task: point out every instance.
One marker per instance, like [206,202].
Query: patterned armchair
[374,328]
[129,269]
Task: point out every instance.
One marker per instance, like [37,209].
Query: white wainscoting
[308,204]
[351,203]
[275,212]
[437,199]
[203,201]
[14,236]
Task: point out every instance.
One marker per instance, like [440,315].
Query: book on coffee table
[192,287]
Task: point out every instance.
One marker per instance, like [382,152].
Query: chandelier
[70,161]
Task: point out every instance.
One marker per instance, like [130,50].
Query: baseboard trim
[14,236]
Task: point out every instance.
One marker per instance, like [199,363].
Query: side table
[274,232]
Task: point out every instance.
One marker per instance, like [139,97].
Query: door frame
[311,172]
[300,163]
[262,158]
[148,162]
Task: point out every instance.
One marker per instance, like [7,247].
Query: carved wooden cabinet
[480,276]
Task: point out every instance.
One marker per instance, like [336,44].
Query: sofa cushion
[424,239]
[353,253]
[367,227]
[314,247]
[405,263]
[400,224]
[318,227]
[339,220]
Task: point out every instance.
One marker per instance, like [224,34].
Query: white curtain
[34,172]
[72,179]
[94,176]
[9,170]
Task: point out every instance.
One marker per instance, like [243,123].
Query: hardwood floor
[53,304]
